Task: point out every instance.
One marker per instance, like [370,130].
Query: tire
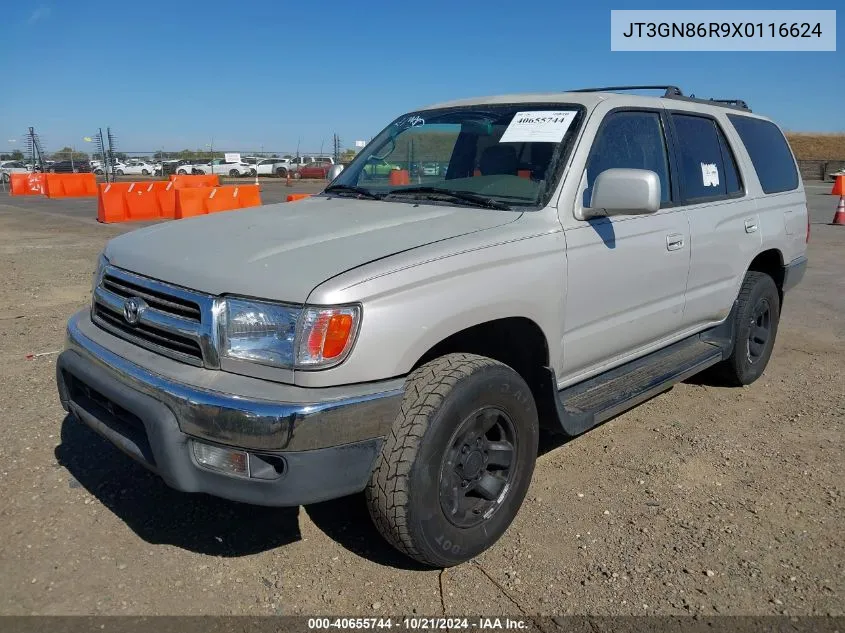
[234,173]
[755,329]
[281,172]
[425,492]
[145,172]
[182,172]
[119,172]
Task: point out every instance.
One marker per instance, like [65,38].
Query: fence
[819,169]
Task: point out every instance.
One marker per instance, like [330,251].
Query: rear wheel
[182,172]
[755,329]
[455,468]
[234,173]
[146,172]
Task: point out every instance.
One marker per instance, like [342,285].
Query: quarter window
[707,166]
[632,140]
[769,152]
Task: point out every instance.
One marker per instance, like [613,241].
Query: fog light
[223,459]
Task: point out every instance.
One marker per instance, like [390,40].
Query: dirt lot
[704,500]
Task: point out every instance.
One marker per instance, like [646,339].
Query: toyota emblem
[133,307]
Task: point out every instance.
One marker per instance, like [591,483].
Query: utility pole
[111,153]
[336,144]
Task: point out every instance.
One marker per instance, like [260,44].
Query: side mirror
[334,172]
[624,192]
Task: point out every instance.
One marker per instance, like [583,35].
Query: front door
[627,275]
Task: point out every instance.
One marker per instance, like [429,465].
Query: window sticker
[538,126]
[709,175]
[411,121]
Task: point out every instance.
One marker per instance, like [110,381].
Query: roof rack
[673,92]
[669,91]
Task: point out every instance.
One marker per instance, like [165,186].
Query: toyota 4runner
[408,336]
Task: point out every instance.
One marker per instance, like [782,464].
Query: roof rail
[732,102]
[669,91]
[673,92]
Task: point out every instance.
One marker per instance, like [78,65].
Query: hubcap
[478,467]
[759,330]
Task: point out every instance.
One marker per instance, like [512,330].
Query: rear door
[626,275]
[723,218]
[781,202]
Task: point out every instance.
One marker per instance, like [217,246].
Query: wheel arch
[518,342]
[771,263]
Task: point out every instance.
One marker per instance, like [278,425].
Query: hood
[283,251]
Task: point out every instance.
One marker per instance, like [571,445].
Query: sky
[271,75]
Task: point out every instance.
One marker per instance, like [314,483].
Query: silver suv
[407,333]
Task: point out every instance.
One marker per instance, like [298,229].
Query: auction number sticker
[538,126]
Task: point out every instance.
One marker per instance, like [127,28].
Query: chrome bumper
[310,421]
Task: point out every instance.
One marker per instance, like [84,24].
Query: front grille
[162,302]
[172,321]
[161,338]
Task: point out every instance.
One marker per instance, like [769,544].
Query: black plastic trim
[793,272]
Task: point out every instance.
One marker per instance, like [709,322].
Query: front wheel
[281,172]
[234,173]
[146,172]
[453,472]
[119,172]
[756,317]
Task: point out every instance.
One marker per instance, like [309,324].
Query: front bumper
[321,447]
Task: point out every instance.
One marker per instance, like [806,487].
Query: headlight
[285,335]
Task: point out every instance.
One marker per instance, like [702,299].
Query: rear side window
[769,153]
[707,165]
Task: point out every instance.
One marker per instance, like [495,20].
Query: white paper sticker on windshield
[538,126]
[709,175]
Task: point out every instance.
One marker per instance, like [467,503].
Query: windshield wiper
[434,193]
[358,191]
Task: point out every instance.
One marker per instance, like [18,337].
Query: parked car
[298,162]
[99,168]
[376,168]
[315,170]
[273,167]
[188,166]
[589,250]
[138,167]
[67,167]
[220,166]
[431,169]
[8,167]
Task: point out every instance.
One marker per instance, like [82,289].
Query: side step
[602,397]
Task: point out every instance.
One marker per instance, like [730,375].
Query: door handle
[674,242]
[750,225]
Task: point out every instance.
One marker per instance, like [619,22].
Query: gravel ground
[705,500]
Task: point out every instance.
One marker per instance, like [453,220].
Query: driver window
[631,140]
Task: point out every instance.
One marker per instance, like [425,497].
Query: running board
[605,396]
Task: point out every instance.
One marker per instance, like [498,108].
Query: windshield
[508,154]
